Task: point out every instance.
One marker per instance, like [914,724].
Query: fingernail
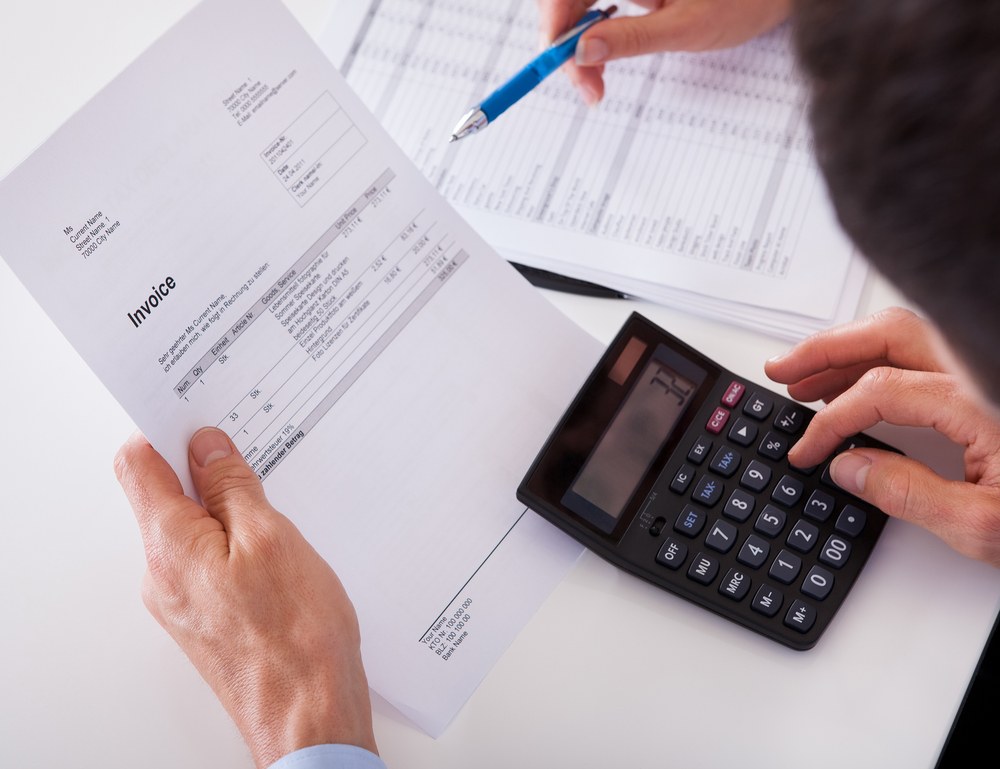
[209,445]
[591,51]
[590,94]
[850,471]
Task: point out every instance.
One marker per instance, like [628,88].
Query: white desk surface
[610,672]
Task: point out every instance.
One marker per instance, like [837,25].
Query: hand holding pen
[510,93]
[670,25]
[529,78]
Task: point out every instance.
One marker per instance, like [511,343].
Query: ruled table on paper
[693,183]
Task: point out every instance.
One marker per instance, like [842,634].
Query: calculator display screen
[632,440]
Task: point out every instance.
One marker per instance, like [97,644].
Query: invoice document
[228,237]
[693,183]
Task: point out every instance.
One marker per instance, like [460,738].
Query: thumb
[909,490]
[229,489]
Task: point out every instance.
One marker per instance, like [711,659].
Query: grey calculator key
[801,616]
[803,536]
[735,584]
[758,406]
[743,432]
[708,491]
[703,569]
[690,522]
[672,553]
[754,552]
[786,567]
[767,601]
[851,521]
[790,419]
[756,476]
[682,479]
[774,446]
[818,583]
[740,505]
[787,491]
[699,450]
[721,536]
[819,506]
[770,521]
[726,461]
[835,552]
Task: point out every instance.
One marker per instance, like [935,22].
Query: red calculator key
[717,421]
[733,394]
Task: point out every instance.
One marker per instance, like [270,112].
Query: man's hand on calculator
[891,367]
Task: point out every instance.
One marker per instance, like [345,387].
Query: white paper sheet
[228,237]
[693,183]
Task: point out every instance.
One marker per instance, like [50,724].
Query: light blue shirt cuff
[330,757]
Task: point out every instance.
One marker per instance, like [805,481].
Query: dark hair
[905,110]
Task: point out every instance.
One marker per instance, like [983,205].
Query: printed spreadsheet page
[693,182]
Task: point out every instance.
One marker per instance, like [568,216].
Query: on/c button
[733,393]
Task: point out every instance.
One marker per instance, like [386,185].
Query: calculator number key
[754,552]
[740,506]
[788,491]
[803,536]
[786,567]
[722,536]
[770,521]
[819,506]
[818,583]
[756,476]
[835,552]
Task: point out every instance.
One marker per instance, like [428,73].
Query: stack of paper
[693,184]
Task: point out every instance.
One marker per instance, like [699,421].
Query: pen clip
[583,25]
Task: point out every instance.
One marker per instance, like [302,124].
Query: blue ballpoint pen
[547,62]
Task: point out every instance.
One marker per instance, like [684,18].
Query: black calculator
[674,469]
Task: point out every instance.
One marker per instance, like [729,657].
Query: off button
[672,554]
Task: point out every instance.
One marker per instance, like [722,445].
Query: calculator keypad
[754,530]
[676,470]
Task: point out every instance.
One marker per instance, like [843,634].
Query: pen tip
[453,139]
